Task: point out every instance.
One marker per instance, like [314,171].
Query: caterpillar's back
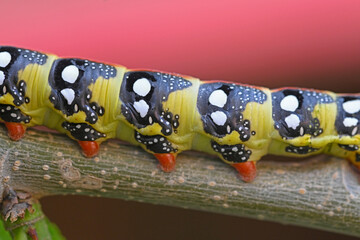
[169,113]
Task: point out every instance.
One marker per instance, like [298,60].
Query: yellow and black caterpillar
[168,113]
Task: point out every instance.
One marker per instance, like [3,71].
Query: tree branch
[321,192]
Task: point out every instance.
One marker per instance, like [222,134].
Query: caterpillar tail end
[167,161]
[247,170]
[15,130]
[89,148]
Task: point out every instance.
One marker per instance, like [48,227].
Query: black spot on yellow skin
[233,153]
[357,158]
[342,114]
[162,84]
[350,148]
[82,131]
[155,143]
[88,73]
[20,58]
[238,96]
[300,150]
[307,99]
[9,113]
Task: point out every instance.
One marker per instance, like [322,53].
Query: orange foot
[167,161]
[90,148]
[247,170]
[15,130]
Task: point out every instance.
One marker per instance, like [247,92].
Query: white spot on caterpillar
[352,106]
[228,129]
[70,73]
[219,118]
[68,94]
[289,103]
[302,131]
[2,77]
[218,98]
[141,107]
[142,87]
[354,131]
[5,59]
[350,122]
[292,121]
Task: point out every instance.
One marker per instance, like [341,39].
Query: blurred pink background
[273,43]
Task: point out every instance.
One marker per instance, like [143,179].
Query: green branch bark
[320,192]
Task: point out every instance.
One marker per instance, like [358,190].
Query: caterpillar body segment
[166,113]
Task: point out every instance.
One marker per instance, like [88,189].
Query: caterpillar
[167,113]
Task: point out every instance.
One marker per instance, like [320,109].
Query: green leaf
[4,235]
[36,221]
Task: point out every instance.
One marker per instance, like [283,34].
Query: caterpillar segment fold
[166,114]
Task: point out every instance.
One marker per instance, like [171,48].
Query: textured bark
[320,192]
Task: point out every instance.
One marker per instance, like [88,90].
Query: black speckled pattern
[20,58]
[307,99]
[301,150]
[162,84]
[88,73]
[342,114]
[82,131]
[233,153]
[9,113]
[238,96]
[155,143]
[350,148]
